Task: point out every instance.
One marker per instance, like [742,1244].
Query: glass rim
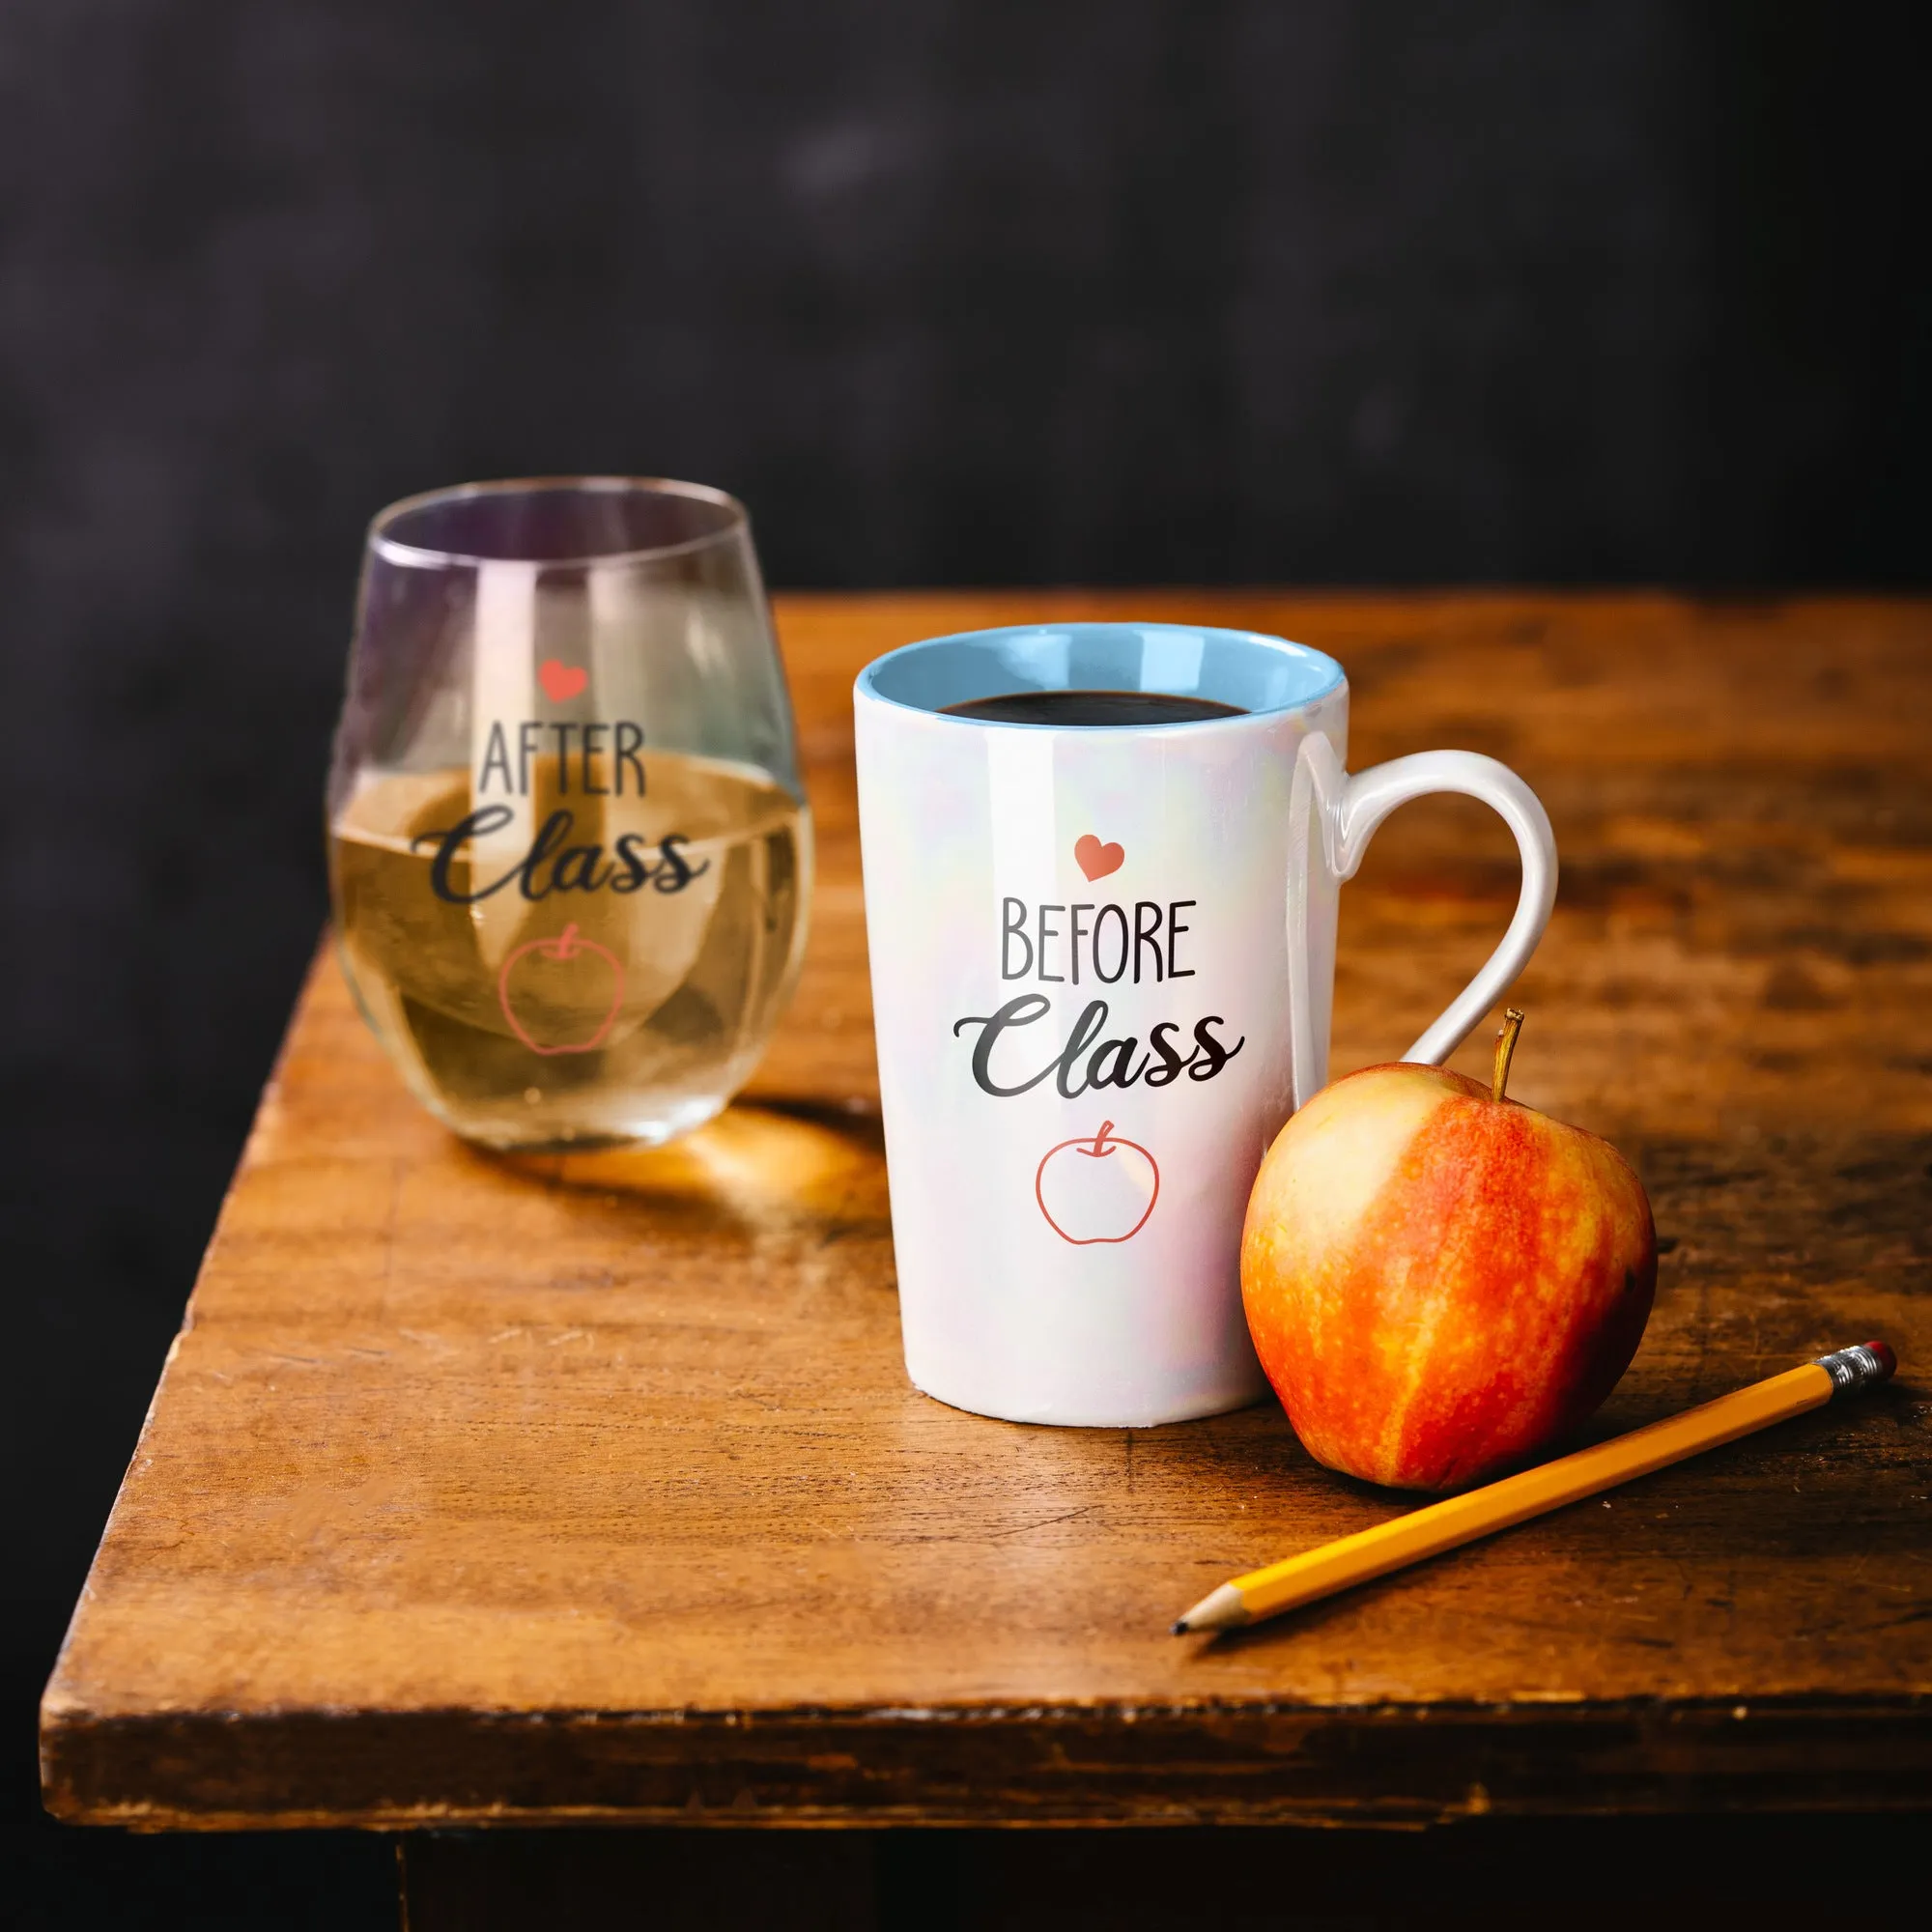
[394,549]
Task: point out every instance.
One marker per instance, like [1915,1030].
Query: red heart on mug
[561,680]
[1095,860]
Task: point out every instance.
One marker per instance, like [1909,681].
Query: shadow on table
[764,1167]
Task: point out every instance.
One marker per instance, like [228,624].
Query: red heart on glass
[561,680]
[1095,860]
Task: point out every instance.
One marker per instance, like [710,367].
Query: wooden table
[592,1487]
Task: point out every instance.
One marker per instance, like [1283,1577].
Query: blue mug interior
[1241,668]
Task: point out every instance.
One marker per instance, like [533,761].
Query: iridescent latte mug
[1103,964]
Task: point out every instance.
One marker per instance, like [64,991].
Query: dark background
[950,291]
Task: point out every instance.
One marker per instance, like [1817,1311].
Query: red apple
[1440,1281]
[1098,1188]
[568,974]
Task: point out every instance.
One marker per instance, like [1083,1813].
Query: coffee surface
[1092,707]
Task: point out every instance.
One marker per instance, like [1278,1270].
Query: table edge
[1221,1761]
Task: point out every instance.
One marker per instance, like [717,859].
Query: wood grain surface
[592,1487]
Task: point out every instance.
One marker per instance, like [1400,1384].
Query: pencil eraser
[1888,1362]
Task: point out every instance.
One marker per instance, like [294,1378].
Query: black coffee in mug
[1092,707]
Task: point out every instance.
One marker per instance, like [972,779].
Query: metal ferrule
[1853,1368]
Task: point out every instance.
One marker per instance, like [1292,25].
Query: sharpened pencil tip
[1219,1610]
[1179,1628]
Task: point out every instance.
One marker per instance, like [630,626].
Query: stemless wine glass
[569,853]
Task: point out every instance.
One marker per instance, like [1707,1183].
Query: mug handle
[1348,809]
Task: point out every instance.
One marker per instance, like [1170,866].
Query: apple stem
[566,946]
[1505,1051]
[1100,1139]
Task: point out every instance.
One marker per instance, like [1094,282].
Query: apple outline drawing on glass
[562,682]
[564,946]
[1094,1147]
[1096,859]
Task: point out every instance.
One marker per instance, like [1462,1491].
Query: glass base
[503,1134]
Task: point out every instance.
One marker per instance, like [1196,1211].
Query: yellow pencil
[1428,1532]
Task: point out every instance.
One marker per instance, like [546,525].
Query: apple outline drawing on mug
[1095,1146]
[563,946]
